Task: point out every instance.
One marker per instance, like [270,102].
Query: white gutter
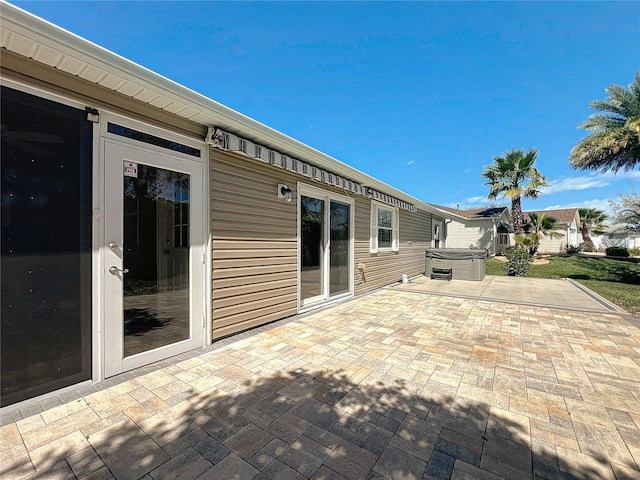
[56,39]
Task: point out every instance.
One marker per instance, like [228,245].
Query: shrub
[518,261]
[634,251]
[616,252]
[572,249]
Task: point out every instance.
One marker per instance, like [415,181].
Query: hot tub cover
[457,253]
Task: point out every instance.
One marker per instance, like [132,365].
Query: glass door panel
[340,248]
[153,269]
[312,248]
[156,245]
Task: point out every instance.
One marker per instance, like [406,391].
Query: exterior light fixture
[285,192]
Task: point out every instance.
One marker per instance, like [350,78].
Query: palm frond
[598,121]
[615,142]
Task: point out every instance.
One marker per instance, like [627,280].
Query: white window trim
[395,230]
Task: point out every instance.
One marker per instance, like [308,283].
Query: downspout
[446,231]
[494,234]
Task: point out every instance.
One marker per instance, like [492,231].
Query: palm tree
[514,176]
[615,141]
[591,220]
[539,226]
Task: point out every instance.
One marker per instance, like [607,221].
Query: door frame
[200,257]
[326,195]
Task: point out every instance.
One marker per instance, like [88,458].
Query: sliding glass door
[326,246]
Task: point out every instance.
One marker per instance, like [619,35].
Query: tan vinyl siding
[384,268]
[254,251]
[554,245]
[477,234]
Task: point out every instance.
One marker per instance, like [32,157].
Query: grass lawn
[617,280]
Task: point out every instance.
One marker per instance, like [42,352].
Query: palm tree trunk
[586,239]
[518,217]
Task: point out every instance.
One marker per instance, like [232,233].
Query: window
[437,233]
[384,228]
[503,239]
[151,139]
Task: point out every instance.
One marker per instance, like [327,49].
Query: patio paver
[389,385]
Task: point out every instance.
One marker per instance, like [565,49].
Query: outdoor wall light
[285,192]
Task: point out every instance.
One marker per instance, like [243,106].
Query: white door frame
[111,147]
[327,196]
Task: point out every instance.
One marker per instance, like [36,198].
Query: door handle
[115,270]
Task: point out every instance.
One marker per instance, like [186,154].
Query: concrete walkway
[391,385]
[565,293]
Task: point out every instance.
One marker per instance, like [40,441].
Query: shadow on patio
[302,424]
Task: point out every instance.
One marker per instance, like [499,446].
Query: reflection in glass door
[326,250]
[312,248]
[156,246]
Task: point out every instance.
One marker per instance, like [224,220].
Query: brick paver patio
[392,385]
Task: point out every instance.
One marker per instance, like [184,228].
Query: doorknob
[113,245]
[115,270]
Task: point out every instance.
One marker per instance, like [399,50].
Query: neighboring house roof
[562,215]
[474,213]
[30,36]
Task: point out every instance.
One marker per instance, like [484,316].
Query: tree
[591,221]
[514,175]
[539,226]
[627,212]
[615,141]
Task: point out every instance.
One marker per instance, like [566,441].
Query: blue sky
[420,95]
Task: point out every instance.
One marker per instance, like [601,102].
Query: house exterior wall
[254,245]
[568,236]
[384,268]
[254,238]
[253,233]
[553,245]
[477,234]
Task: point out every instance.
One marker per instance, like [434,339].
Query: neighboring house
[141,219]
[567,226]
[478,228]
[616,236]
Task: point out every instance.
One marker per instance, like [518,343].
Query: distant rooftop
[562,215]
[473,213]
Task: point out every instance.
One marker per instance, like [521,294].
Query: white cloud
[478,199]
[597,203]
[411,162]
[575,183]
[591,180]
